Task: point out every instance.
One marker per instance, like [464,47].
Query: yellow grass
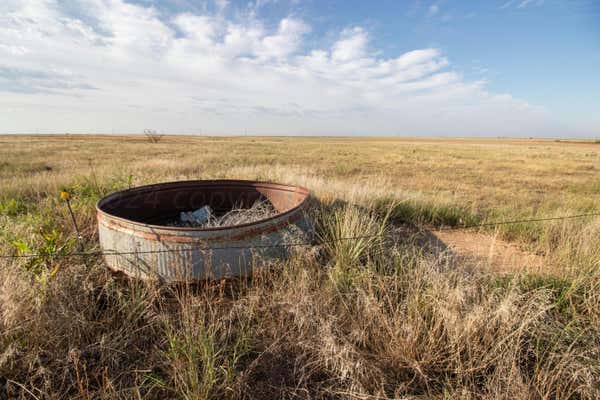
[397,318]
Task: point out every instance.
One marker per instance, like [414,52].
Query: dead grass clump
[83,329]
[418,332]
[261,209]
[350,233]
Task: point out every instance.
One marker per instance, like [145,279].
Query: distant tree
[153,136]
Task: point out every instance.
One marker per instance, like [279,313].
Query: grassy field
[369,319]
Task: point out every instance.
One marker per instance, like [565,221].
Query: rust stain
[125,224]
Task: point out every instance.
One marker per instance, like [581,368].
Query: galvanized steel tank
[129,224]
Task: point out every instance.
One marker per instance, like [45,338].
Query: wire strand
[205,246]
[286,245]
[518,221]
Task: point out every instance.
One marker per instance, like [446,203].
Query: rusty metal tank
[135,241]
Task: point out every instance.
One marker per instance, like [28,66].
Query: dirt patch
[490,252]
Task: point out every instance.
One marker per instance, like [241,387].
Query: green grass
[13,207]
[436,214]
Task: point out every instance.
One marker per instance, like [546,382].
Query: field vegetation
[402,315]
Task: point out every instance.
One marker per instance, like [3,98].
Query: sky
[522,68]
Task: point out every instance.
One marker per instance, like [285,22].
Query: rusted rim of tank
[205,183]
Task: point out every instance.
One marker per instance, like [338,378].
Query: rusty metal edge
[174,238]
[286,217]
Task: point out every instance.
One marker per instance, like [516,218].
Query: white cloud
[124,67]
[13,50]
[23,80]
[526,3]
[521,3]
[286,41]
[352,45]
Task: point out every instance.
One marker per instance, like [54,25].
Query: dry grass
[241,215]
[371,319]
[237,215]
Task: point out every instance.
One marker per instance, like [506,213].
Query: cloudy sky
[301,67]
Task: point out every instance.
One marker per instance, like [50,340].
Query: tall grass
[350,233]
[371,318]
[390,324]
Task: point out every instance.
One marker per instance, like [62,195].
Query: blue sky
[410,68]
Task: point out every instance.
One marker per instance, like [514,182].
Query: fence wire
[289,245]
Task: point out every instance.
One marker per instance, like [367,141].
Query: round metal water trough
[129,225]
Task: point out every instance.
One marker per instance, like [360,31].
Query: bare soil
[490,252]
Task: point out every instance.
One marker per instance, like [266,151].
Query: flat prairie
[430,310]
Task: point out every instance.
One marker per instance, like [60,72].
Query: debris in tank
[261,209]
[198,217]
[205,217]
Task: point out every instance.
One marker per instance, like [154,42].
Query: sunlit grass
[376,317]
